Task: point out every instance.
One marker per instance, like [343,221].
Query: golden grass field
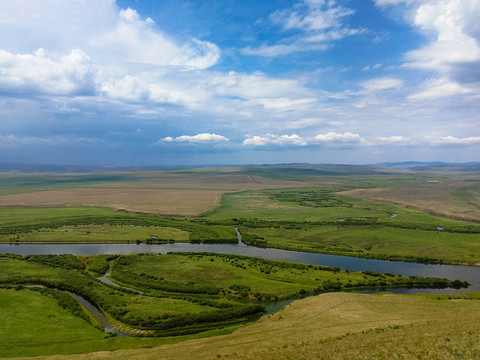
[338,326]
[450,198]
[161,193]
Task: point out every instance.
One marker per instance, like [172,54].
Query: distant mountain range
[296,168]
[432,166]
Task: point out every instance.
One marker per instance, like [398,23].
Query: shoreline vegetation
[364,237]
[203,293]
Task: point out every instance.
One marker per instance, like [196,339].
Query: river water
[452,272]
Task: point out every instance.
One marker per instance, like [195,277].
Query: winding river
[452,272]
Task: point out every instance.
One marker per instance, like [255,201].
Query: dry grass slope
[339,326]
[449,198]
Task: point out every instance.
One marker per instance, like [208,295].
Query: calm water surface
[452,272]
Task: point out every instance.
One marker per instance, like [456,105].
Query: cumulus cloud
[281,140]
[452,50]
[199,138]
[391,140]
[330,138]
[456,25]
[72,74]
[137,40]
[108,34]
[333,137]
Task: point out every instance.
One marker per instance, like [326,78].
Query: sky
[226,82]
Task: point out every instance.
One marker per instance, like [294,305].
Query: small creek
[97,314]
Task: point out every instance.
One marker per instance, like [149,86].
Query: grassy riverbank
[333,326]
[203,294]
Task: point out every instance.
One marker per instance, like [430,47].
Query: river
[452,272]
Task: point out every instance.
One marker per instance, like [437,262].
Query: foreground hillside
[339,326]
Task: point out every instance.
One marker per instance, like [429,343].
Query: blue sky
[239,82]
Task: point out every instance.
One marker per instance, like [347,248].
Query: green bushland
[165,314]
[98,264]
[252,278]
[194,295]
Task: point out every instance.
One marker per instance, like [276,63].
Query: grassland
[101,225]
[339,326]
[34,324]
[196,297]
[453,198]
[245,277]
[162,192]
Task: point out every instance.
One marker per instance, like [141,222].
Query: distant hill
[285,169]
[433,166]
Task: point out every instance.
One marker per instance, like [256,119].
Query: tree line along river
[452,272]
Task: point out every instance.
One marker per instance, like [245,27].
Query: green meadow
[157,296]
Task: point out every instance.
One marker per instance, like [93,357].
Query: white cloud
[282,140]
[282,103]
[373,67]
[437,88]
[319,16]
[317,22]
[453,49]
[381,84]
[281,49]
[304,122]
[108,34]
[391,140]
[451,140]
[332,137]
[37,72]
[137,40]
[199,138]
